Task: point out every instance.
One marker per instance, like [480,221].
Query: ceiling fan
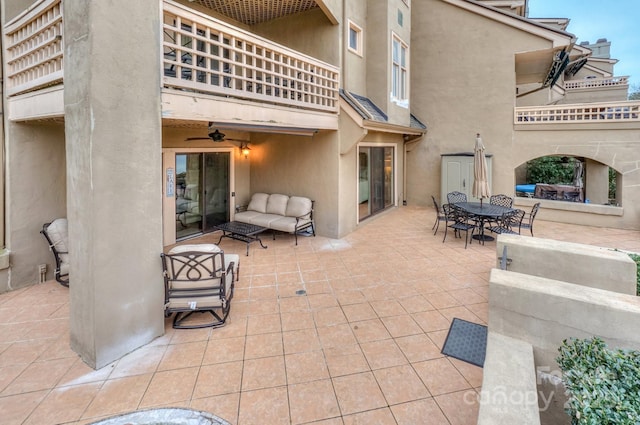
[216,136]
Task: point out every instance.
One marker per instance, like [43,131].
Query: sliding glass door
[202,192]
[376,179]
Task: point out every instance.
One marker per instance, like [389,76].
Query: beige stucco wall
[602,94]
[462,85]
[114,167]
[617,148]
[35,194]
[354,66]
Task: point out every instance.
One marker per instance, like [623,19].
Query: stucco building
[113,113]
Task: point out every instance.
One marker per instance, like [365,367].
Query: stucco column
[114,186]
[597,178]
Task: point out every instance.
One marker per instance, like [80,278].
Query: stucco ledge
[579,207]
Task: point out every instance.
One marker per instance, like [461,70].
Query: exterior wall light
[245,149]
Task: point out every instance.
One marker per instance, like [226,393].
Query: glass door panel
[188,188]
[216,189]
[376,177]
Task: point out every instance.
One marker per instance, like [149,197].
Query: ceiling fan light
[216,136]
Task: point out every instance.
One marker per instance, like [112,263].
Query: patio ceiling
[251,12]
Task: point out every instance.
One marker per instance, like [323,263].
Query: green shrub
[550,170]
[636,258]
[602,384]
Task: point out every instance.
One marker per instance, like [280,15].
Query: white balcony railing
[628,111]
[34,46]
[201,54]
[589,83]
[209,56]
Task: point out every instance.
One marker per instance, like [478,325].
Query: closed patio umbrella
[480,172]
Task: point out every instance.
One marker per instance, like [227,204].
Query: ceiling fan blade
[196,138]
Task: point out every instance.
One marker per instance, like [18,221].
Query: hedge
[603,385]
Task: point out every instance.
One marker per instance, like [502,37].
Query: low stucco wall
[570,262]
[544,312]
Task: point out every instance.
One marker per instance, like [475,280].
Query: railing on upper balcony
[628,111]
[206,55]
[590,83]
[34,46]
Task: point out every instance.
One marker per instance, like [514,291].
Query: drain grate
[301,292]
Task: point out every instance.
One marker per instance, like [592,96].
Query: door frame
[394,183]
[169,200]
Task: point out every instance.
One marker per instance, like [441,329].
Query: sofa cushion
[265,220]
[258,202]
[277,204]
[298,206]
[284,224]
[246,216]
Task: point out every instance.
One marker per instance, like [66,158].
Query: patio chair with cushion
[198,279]
[456,197]
[57,236]
[439,215]
[527,222]
[459,221]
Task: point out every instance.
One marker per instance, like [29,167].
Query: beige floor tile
[183,355]
[224,350]
[291,304]
[218,379]
[263,292]
[267,323]
[296,321]
[382,354]
[312,401]
[223,406]
[141,361]
[460,312]
[181,336]
[64,404]
[440,376]
[9,373]
[424,411]
[39,376]
[460,408]
[169,387]
[438,337]
[480,310]
[329,316]
[266,406]
[472,373]
[336,336]
[24,351]
[118,396]
[234,327]
[358,393]
[305,367]
[377,416]
[431,321]
[399,326]
[350,296]
[16,408]
[418,348]
[261,373]
[442,300]
[345,360]
[263,279]
[319,287]
[300,341]
[359,312]
[415,304]
[467,296]
[400,384]
[264,345]
[59,349]
[388,307]
[370,330]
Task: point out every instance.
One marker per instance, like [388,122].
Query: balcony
[591,83]
[200,55]
[587,113]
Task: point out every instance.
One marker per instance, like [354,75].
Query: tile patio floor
[362,347]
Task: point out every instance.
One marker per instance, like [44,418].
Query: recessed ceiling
[251,12]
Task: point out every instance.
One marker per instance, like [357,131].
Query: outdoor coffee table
[241,232]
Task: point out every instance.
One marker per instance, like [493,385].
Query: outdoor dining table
[483,212]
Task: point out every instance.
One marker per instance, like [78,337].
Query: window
[399,71]
[355,38]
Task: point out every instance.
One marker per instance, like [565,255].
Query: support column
[113,135]
[597,182]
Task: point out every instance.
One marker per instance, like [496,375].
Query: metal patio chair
[459,221]
[198,279]
[57,235]
[456,197]
[509,223]
[502,200]
[439,215]
[527,222]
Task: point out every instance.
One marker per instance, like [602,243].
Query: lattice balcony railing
[628,111]
[34,47]
[589,83]
[206,55]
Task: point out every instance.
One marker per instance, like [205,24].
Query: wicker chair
[198,279]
